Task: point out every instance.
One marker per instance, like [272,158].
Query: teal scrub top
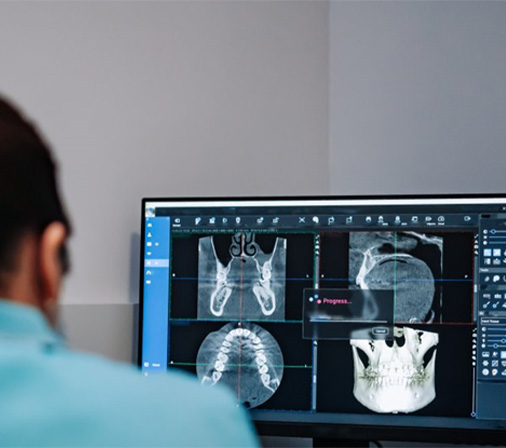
[52,396]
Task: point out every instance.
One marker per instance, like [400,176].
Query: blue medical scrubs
[51,396]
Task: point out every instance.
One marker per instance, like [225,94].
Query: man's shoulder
[87,372]
[174,401]
[93,401]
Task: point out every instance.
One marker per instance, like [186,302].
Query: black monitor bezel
[452,430]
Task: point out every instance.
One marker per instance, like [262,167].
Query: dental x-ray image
[398,376]
[407,262]
[245,284]
[244,357]
[422,371]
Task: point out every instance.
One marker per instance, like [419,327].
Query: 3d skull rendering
[395,377]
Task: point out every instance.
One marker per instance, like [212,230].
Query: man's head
[33,223]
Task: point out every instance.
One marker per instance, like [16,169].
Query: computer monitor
[334,317]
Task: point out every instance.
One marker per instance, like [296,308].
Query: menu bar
[271,222]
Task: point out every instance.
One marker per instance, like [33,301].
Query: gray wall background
[221,98]
[167,99]
[417,97]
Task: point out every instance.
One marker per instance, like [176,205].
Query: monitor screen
[324,314]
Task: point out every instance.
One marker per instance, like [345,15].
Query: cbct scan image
[240,276]
[238,279]
[422,371]
[398,376]
[409,262]
[246,358]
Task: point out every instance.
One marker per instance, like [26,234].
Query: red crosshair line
[240,316]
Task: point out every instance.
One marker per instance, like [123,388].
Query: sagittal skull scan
[249,285]
[398,261]
[246,358]
[396,376]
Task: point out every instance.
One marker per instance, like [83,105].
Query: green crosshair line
[194,364]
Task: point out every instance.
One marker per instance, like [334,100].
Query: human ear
[49,264]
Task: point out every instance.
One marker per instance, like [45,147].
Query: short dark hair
[29,198]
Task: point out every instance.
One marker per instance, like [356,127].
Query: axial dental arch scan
[246,358]
[237,291]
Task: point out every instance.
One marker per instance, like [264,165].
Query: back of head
[29,198]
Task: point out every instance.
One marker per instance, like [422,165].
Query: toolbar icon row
[320,220]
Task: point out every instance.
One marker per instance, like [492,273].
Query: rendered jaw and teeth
[395,378]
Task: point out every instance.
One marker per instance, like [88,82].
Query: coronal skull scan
[401,261]
[249,284]
[395,376]
[244,357]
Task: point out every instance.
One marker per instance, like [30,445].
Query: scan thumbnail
[393,260]
[421,372]
[248,284]
[246,358]
[396,377]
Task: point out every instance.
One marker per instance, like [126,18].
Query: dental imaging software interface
[335,306]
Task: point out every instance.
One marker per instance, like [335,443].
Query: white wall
[417,97]
[171,99]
